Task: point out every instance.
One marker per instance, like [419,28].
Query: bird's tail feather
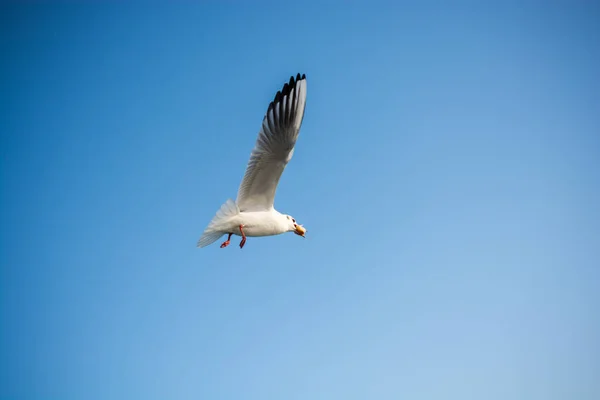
[214,231]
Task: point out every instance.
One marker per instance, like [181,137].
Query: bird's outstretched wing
[274,147]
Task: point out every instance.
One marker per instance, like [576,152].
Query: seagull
[253,213]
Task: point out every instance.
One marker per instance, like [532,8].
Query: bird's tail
[215,228]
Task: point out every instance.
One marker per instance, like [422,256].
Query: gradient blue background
[448,172]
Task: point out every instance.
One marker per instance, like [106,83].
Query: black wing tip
[287,87]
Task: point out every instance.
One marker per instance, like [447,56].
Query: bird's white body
[258,223]
[253,214]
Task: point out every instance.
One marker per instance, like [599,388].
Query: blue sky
[447,171]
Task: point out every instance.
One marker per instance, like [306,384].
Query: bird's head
[295,227]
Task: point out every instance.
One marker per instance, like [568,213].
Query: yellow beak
[300,230]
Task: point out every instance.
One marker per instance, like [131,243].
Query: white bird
[253,214]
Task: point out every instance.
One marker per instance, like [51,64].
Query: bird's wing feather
[274,147]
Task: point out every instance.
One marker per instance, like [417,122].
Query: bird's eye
[293,220]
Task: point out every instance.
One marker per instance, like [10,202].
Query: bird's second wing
[274,147]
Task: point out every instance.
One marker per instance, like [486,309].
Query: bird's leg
[243,242]
[226,243]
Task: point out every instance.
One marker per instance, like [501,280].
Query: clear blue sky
[447,171]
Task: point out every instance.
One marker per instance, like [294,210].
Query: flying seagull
[253,214]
